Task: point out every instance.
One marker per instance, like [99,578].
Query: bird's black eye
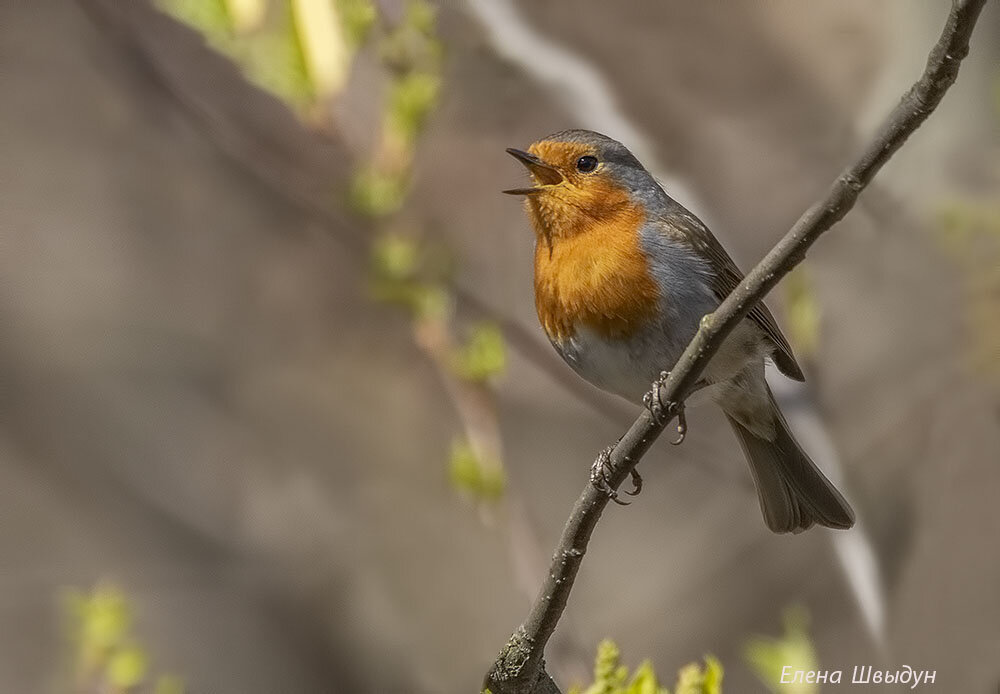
[586,164]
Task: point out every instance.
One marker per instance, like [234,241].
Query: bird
[623,275]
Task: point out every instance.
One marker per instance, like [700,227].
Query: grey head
[619,163]
[573,154]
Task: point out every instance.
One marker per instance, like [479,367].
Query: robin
[623,276]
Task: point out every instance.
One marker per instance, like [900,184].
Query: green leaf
[611,677]
[323,39]
[411,98]
[376,193]
[275,60]
[483,356]
[713,675]
[463,467]
[106,619]
[768,656]
[246,15]
[358,17]
[693,679]
[210,17]
[644,681]
[609,673]
[100,625]
[395,257]
[468,474]
[127,667]
[271,56]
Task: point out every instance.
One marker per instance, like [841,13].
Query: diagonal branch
[520,668]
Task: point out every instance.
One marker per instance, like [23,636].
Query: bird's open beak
[543,173]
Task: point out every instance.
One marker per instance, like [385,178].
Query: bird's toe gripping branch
[661,411]
[600,473]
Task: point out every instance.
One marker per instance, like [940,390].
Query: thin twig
[520,668]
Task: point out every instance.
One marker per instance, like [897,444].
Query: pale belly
[629,367]
[625,368]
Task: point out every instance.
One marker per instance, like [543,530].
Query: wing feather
[727,277]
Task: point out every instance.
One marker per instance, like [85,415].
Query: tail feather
[793,492]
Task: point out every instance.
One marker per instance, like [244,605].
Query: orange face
[590,269]
[572,191]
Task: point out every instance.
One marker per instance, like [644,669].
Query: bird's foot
[661,411]
[600,472]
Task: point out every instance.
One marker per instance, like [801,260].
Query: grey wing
[727,277]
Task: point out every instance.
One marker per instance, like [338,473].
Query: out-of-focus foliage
[803,312]
[483,356]
[409,272]
[376,193]
[323,44]
[246,15]
[412,275]
[104,654]
[300,50]
[611,677]
[413,44]
[413,52]
[412,55]
[211,17]
[794,649]
[482,480]
[411,98]
[970,233]
[357,19]
[695,679]
[274,60]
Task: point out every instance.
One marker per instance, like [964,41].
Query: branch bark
[520,667]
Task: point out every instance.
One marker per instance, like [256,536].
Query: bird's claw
[660,412]
[600,471]
[636,482]
[682,426]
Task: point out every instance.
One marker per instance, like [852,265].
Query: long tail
[793,493]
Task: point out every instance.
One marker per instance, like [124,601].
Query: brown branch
[520,668]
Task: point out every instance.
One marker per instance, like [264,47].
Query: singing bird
[623,276]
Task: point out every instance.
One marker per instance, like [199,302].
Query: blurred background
[278,417]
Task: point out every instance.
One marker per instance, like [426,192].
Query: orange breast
[590,269]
